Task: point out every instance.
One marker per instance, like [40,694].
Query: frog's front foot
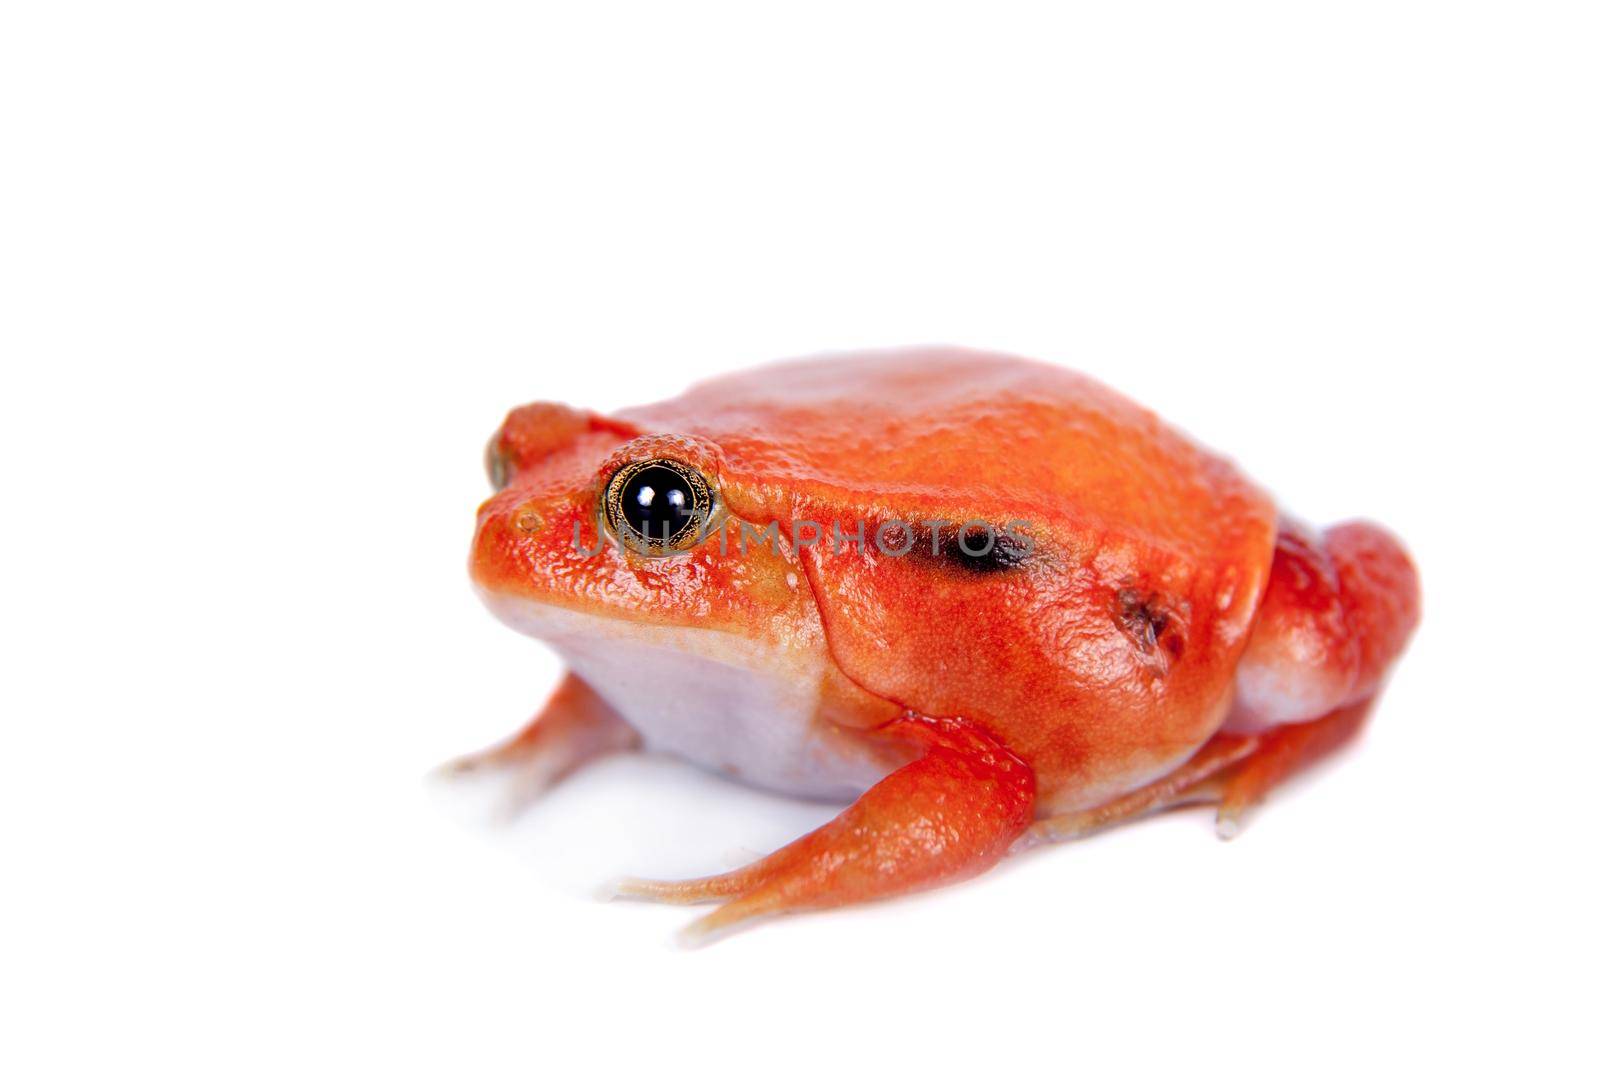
[574,727]
[948,815]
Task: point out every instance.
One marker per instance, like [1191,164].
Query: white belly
[748,709]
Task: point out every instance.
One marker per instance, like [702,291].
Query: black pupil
[657,503]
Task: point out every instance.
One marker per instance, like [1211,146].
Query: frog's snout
[529,434]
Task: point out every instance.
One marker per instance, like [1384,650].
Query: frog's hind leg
[1233,771]
[948,815]
[1189,784]
[574,727]
[1339,607]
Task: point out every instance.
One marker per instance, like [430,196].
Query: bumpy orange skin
[1125,511]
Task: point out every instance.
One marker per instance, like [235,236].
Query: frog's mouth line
[565,627]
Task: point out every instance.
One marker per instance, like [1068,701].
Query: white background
[273,272]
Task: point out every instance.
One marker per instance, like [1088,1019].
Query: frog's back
[1106,655]
[982,433]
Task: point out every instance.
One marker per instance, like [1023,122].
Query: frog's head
[617,547]
[592,515]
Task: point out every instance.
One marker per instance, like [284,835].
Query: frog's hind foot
[1193,783]
[1283,751]
[574,727]
[948,815]
[1233,771]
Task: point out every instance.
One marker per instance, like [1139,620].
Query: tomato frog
[988,602]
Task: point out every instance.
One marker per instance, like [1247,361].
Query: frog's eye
[658,505]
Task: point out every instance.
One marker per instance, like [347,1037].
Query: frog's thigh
[1339,606]
[948,815]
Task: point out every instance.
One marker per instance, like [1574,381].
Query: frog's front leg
[574,727]
[948,815]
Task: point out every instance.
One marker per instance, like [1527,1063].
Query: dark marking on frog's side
[1005,554]
[1156,631]
[977,547]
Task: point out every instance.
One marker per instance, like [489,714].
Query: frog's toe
[460,767]
[714,927]
[685,891]
[526,783]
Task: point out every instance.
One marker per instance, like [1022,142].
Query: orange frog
[988,601]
